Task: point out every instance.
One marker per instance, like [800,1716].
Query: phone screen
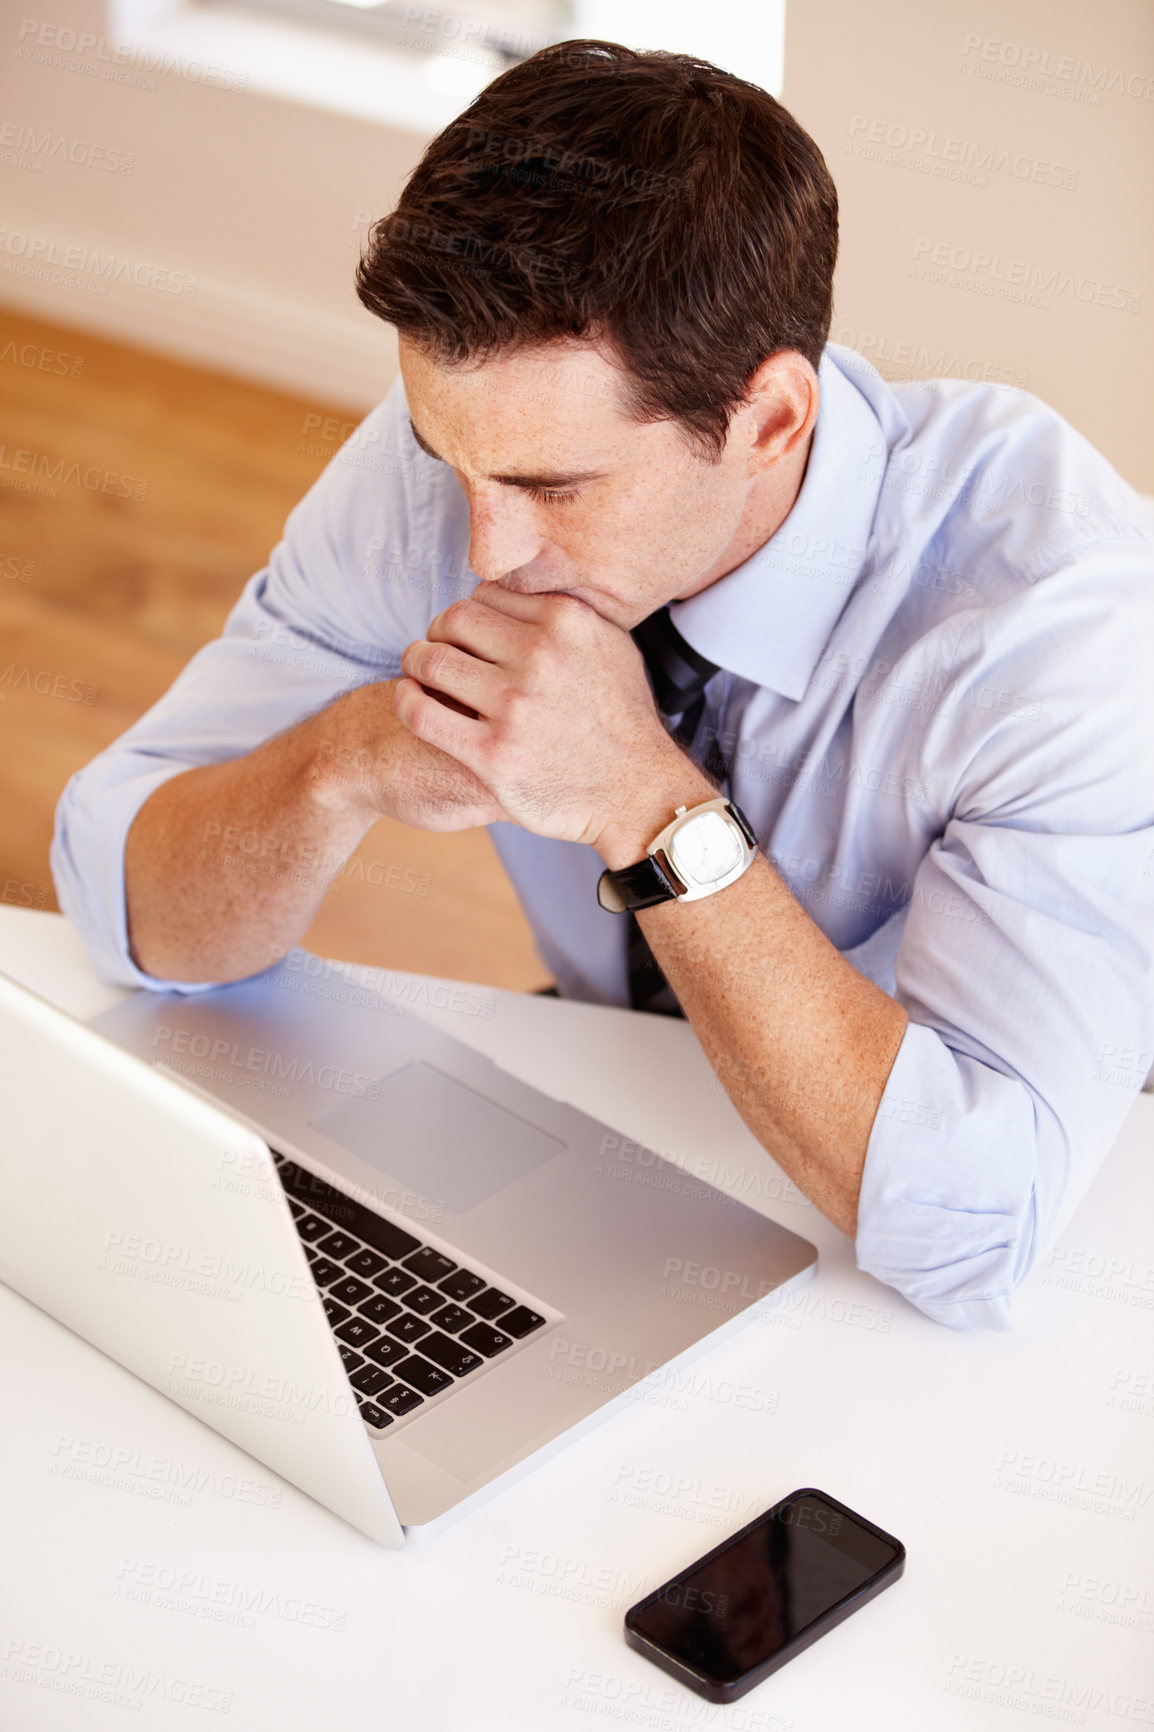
[737,1609]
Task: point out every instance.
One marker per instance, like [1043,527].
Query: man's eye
[552,495]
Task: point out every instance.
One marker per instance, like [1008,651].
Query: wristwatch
[698,853]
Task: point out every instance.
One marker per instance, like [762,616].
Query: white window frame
[245,48]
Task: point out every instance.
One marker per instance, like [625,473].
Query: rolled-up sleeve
[320,619]
[1025,960]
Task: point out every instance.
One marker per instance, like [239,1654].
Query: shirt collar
[769,619]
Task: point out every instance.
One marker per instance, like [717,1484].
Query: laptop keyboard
[409,1321]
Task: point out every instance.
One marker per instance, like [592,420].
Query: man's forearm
[227,864]
[802,1043]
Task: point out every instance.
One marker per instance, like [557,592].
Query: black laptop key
[378,1309]
[460,1284]
[341,1211]
[422,1300]
[449,1354]
[372,1415]
[337,1245]
[297,1209]
[395,1281]
[357,1332]
[385,1352]
[520,1322]
[422,1375]
[452,1317]
[400,1399]
[351,1359]
[366,1264]
[334,1312]
[490,1303]
[311,1227]
[350,1291]
[486,1340]
[370,1379]
[325,1272]
[430,1265]
[407,1327]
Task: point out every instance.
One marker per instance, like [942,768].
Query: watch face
[705,848]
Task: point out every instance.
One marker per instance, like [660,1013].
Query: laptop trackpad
[438,1137]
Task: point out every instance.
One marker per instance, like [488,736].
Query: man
[909,637]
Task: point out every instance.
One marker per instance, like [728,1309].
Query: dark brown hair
[652,202]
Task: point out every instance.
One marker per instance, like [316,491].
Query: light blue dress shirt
[938,697]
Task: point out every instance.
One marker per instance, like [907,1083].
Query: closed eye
[553,495]
[541,494]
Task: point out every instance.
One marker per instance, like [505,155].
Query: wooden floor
[107,590]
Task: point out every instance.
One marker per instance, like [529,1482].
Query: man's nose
[501,537]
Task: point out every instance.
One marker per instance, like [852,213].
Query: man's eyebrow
[557,479]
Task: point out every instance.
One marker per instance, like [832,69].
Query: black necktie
[678,676]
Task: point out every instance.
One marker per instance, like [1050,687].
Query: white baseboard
[348,360]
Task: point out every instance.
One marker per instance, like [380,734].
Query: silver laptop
[384,1267]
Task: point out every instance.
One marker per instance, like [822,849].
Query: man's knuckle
[543,664]
[515,708]
[421,714]
[491,758]
[457,614]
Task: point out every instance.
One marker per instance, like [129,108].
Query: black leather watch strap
[651,881]
[742,822]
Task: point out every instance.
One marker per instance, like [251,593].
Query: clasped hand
[549,707]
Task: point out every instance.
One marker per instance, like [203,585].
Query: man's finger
[448,671]
[514,603]
[430,720]
[488,633]
[537,609]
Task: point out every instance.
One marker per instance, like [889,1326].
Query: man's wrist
[643,815]
[338,771]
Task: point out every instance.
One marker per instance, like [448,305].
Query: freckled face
[564,491]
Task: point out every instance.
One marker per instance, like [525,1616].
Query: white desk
[1018,1469]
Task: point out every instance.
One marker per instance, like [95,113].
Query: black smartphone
[759,1598]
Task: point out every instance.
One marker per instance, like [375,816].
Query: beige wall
[262,200]
[256,165]
[954,258]
[258,202]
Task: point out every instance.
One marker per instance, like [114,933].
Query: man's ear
[781,407]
